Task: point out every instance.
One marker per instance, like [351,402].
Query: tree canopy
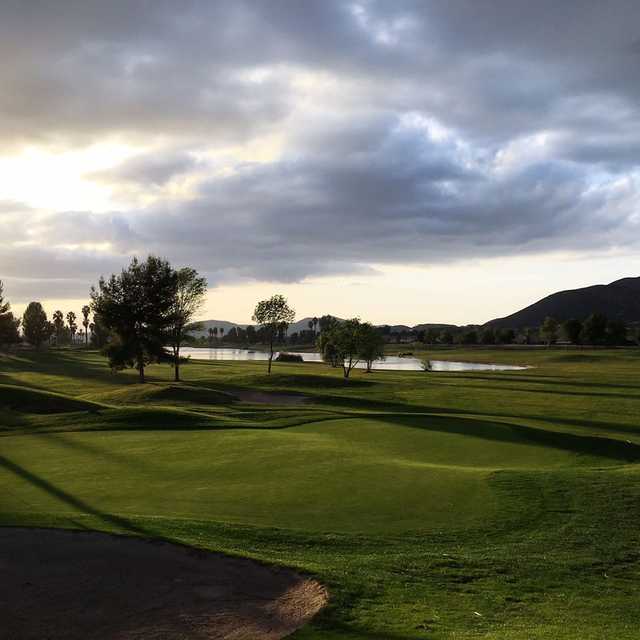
[8,324]
[136,307]
[37,329]
[274,315]
[188,297]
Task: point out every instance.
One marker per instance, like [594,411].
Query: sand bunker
[73,585]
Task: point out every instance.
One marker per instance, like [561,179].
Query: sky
[408,161]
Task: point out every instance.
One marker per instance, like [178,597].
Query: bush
[289,357]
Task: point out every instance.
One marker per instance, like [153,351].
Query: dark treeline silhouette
[145,314]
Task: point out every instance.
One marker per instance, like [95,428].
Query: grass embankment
[448,505]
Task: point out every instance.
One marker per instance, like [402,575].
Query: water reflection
[391,363]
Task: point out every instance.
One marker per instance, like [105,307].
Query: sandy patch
[80,585]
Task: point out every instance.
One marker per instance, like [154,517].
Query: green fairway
[448,505]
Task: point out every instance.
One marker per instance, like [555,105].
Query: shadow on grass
[506,432]
[71,501]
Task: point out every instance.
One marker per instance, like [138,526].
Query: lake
[390,363]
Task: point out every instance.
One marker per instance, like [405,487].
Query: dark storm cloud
[412,131]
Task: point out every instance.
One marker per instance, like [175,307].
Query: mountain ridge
[618,300]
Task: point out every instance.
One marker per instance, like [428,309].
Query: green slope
[434,506]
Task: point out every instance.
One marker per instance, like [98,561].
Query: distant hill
[434,325]
[303,325]
[619,300]
[204,331]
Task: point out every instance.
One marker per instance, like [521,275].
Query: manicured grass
[447,505]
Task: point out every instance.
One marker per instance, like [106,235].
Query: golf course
[493,505]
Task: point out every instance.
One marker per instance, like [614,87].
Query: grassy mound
[468,506]
[164,394]
[26,400]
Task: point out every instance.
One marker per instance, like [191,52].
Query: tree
[595,329]
[221,332]
[325,342]
[35,325]
[616,332]
[71,321]
[326,322]
[488,336]
[371,344]
[347,338]
[315,325]
[188,298]
[8,324]
[505,336]
[430,336]
[99,332]
[136,307]
[469,336]
[310,325]
[272,315]
[549,330]
[572,329]
[446,337]
[210,332]
[86,310]
[58,325]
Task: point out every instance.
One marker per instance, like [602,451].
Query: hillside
[620,300]
[206,324]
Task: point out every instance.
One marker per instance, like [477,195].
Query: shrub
[289,357]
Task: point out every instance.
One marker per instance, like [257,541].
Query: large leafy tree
[595,328]
[347,337]
[35,326]
[99,332]
[349,342]
[549,330]
[273,315]
[8,324]
[136,308]
[371,344]
[573,330]
[86,311]
[326,340]
[189,295]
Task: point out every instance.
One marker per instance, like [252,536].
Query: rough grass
[433,505]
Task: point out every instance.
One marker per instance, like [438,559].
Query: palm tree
[58,323]
[86,310]
[211,332]
[73,327]
[221,330]
[315,325]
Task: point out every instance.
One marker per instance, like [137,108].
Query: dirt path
[79,585]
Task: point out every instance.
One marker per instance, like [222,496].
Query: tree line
[145,314]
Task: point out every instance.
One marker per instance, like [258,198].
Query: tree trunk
[86,339]
[270,355]
[176,363]
[140,368]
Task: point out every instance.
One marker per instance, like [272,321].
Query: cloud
[152,169]
[409,132]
